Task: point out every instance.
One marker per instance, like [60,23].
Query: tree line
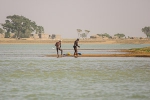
[21,26]
[119,35]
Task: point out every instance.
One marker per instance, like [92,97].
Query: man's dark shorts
[74,47]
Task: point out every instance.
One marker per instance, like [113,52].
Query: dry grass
[70,41]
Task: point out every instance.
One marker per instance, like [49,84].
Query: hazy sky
[99,16]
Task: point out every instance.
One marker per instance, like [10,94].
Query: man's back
[76,43]
[58,44]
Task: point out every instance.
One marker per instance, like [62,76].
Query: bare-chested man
[58,47]
[75,48]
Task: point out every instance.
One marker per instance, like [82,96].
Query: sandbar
[107,55]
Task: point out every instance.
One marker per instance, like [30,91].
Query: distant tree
[120,35]
[21,26]
[83,35]
[39,29]
[107,35]
[1,31]
[86,33]
[79,32]
[104,35]
[146,30]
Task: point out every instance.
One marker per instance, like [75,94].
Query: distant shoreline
[71,41]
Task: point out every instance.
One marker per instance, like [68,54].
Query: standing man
[58,47]
[75,48]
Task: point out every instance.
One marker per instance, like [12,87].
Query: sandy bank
[71,41]
[108,55]
[135,52]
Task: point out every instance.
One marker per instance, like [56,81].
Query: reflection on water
[27,74]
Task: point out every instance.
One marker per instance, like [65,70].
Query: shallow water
[36,50]
[27,74]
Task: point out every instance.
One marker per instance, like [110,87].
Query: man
[75,48]
[58,47]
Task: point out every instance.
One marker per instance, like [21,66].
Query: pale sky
[99,16]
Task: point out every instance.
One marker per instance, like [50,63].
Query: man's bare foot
[75,56]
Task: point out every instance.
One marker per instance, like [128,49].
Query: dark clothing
[58,47]
[75,47]
[58,44]
[76,43]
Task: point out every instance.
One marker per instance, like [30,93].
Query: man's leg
[75,54]
[57,52]
[74,50]
[61,51]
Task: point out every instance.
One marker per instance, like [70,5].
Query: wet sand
[137,52]
[108,55]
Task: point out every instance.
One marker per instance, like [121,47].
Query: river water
[26,73]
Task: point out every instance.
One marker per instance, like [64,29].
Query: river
[26,73]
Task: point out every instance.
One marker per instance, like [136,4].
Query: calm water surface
[27,74]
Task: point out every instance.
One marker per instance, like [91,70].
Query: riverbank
[71,41]
[107,55]
[135,52]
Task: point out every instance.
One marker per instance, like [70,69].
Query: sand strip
[105,55]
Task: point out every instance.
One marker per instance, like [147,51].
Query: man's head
[59,41]
[77,39]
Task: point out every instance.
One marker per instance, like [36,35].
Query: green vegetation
[107,35]
[104,35]
[144,50]
[119,35]
[21,26]
[146,30]
[1,31]
[83,35]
